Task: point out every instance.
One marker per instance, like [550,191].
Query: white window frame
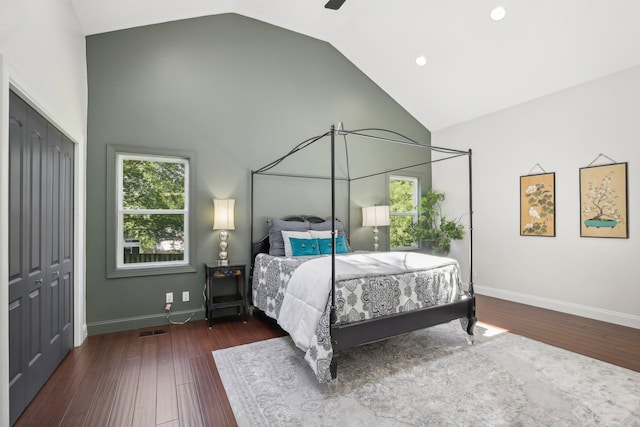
[114,220]
[416,196]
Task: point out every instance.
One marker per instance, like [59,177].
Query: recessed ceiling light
[498,13]
[421,60]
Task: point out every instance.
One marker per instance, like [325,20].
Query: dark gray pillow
[326,226]
[276,227]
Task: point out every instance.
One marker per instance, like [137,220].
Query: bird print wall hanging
[538,205]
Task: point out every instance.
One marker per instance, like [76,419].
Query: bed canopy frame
[344,336]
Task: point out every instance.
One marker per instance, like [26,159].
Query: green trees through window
[152,208]
[403,199]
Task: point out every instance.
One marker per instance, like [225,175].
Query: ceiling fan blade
[334,4]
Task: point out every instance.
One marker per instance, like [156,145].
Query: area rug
[430,377]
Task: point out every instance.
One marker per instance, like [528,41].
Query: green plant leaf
[433,230]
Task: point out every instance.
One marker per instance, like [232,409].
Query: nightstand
[236,298]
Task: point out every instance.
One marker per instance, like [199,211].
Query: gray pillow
[326,226]
[276,227]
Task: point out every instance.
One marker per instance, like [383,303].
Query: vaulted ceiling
[474,65]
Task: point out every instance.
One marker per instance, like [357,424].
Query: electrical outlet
[185,296]
[169,298]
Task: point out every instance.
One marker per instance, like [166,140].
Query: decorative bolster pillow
[304,247]
[341,246]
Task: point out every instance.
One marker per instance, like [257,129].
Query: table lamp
[223,221]
[375,216]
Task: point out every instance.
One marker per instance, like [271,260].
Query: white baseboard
[84,334]
[615,317]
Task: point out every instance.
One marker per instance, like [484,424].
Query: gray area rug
[430,377]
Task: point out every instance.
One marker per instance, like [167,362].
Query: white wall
[42,56]
[592,277]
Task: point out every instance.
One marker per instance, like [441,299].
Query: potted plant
[434,231]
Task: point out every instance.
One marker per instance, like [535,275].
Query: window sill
[150,271]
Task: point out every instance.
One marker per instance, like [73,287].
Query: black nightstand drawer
[219,272]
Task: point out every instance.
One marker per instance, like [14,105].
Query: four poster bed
[329,298]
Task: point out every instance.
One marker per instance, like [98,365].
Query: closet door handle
[38,281]
[56,273]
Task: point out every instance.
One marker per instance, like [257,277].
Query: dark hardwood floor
[615,344]
[121,379]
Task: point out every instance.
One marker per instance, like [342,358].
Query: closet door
[41,249]
[17,254]
[66,244]
[27,292]
[59,245]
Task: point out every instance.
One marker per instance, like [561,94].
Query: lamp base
[224,235]
[375,239]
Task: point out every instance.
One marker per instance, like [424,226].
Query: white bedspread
[310,285]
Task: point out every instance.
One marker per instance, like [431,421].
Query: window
[403,202]
[151,215]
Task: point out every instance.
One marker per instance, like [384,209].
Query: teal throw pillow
[303,247]
[341,245]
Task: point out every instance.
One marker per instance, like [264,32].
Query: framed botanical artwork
[538,205]
[603,201]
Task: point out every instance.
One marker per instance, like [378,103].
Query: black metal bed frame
[344,336]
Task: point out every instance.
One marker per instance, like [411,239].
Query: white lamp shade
[375,216]
[223,214]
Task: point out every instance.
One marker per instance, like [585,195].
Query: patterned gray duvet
[358,296]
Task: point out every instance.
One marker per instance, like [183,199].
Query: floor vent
[153,333]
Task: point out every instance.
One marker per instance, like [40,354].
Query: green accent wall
[238,93]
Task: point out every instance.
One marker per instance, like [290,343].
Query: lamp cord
[173,322]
